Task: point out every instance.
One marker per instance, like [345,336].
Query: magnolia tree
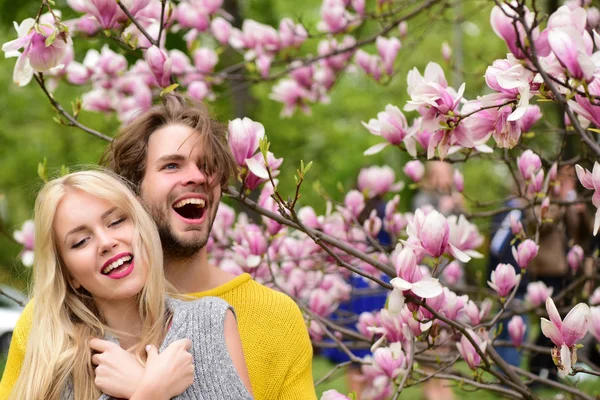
[427,327]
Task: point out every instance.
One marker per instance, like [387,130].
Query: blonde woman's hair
[65,318]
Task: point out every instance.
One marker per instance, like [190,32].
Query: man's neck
[195,274]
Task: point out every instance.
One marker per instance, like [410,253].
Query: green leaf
[42,171]
[50,39]
[307,168]
[169,89]
[64,170]
[594,130]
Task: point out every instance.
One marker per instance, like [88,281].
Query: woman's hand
[167,374]
[118,372]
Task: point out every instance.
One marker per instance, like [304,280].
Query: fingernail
[148,347]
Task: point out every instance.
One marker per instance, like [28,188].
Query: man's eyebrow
[83,227]
[171,157]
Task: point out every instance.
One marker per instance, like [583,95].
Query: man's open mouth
[190,208]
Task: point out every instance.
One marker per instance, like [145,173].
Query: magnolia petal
[459,254]
[551,332]
[553,313]
[411,146]
[257,168]
[575,324]
[375,149]
[484,148]
[23,72]
[395,302]
[401,284]
[597,222]
[585,177]
[565,360]
[427,288]
[27,258]
[253,261]
[474,254]
[377,344]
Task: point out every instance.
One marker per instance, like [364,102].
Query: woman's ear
[76,285]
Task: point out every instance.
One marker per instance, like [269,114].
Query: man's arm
[16,353]
[299,383]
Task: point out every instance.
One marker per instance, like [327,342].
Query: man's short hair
[127,154]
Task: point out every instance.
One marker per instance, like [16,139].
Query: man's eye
[170,166]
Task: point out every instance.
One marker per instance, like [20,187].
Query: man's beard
[173,247]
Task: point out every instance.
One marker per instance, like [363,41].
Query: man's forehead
[175,140]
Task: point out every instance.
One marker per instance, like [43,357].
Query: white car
[9,314]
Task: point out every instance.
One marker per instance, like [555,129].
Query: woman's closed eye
[117,222]
[80,243]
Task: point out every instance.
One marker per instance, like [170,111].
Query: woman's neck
[122,316]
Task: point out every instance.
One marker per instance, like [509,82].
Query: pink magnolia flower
[516,330]
[525,252]
[221,29]
[529,163]
[371,64]
[410,279]
[464,236]
[257,173]
[502,18]
[594,322]
[291,34]
[373,224]
[25,236]
[190,14]
[595,297]
[575,257]
[308,217]
[333,395]
[453,304]
[36,56]
[453,273]
[446,51]
[244,138]
[516,227]
[329,46]
[468,351]
[391,361]
[388,49]
[377,180]
[415,170]
[199,90]
[504,279]
[160,65]
[391,125]
[334,16]
[565,333]
[459,181]
[292,95]
[569,48]
[205,60]
[354,202]
[473,312]
[591,181]
[537,293]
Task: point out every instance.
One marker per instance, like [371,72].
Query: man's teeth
[200,203]
[116,264]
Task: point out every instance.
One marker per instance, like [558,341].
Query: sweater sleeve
[203,322]
[298,383]
[16,353]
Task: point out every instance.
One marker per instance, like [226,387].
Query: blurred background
[332,137]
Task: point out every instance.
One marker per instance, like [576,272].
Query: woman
[99,273]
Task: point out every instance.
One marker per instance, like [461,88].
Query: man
[178,160]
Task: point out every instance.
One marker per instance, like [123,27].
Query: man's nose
[194,175]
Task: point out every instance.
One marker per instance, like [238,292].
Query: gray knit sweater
[203,322]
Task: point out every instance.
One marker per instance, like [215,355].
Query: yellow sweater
[274,337]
